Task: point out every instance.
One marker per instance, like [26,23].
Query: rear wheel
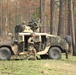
[68,39]
[5,53]
[54,53]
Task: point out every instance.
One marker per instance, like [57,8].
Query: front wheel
[54,53]
[5,53]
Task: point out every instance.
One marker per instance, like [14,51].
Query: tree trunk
[52,22]
[61,27]
[71,23]
[42,7]
[1,17]
[67,27]
[21,9]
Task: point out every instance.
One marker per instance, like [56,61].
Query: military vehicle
[47,46]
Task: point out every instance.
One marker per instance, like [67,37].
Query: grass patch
[39,67]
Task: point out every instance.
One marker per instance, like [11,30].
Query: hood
[9,43]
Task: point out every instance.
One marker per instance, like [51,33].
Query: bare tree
[67,27]
[61,27]
[52,22]
[7,29]
[71,23]
[42,6]
[1,16]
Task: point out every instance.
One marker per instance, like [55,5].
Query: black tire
[54,53]
[5,53]
[68,39]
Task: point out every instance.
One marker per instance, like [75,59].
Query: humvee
[47,46]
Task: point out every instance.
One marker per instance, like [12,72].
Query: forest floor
[39,67]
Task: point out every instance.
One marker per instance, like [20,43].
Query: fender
[44,51]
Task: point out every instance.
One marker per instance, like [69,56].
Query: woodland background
[54,16]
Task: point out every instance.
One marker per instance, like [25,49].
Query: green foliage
[36,15]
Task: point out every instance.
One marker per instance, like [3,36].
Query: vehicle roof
[30,33]
[43,34]
[52,35]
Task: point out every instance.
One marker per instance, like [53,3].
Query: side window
[48,40]
[20,38]
[36,39]
[43,39]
